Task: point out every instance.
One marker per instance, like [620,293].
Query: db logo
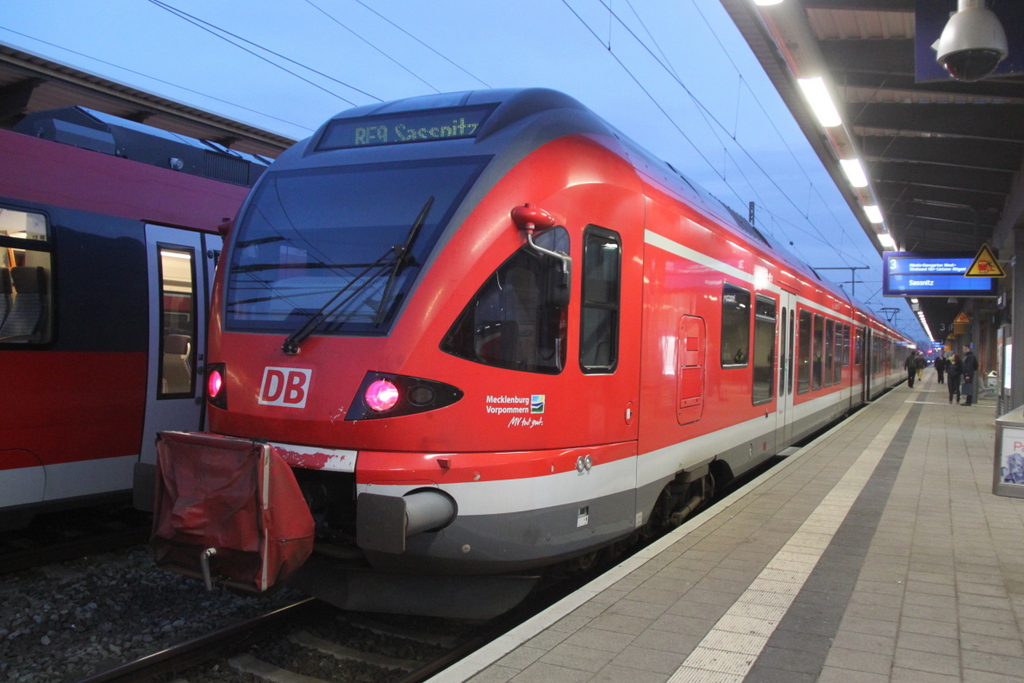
[286,387]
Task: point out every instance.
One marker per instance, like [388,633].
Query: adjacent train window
[26,278]
[764,349]
[817,366]
[735,326]
[858,354]
[513,321]
[176,378]
[830,328]
[599,310]
[803,383]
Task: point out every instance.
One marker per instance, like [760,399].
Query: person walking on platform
[970,372]
[940,367]
[921,363]
[954,370]
[911,365]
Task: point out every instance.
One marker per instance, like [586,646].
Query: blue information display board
[909,274]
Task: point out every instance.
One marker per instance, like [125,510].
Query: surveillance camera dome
[972,44]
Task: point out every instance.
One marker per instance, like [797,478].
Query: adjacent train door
[181,267]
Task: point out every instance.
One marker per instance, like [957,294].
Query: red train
[462,338]
[104,263]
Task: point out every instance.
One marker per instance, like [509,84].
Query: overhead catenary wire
[706,113]
[385,54]
[457,66]
[223,33]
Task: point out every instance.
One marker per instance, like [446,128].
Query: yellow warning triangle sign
[985,265]
[962,319]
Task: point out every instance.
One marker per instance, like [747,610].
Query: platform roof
[29,83]
[943,159]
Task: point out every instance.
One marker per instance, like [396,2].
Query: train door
[691,344]
[180,272]
[786,337]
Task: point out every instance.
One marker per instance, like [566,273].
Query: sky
[674,75]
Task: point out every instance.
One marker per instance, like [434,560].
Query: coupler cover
[236,496]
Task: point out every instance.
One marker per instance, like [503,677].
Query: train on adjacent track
[459,339]
[108,233]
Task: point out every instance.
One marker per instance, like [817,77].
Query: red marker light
[381,395]
[214,383]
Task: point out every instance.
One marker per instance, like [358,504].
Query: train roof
[99,132]
[516,122]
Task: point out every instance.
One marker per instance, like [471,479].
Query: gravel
[70,620]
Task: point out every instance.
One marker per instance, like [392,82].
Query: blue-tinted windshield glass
[326,239]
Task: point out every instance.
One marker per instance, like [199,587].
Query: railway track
[312,642]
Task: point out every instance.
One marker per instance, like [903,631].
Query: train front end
[391,375]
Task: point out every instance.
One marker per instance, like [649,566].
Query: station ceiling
[944,159]
[29,83]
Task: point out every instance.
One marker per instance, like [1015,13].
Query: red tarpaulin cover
[235,495]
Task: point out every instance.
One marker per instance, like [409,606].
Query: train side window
[837,367]
[858,349]
[817,368]
[735,326]
[511,322]
[176,370]
[764,350]
[26,278]
[830,328]
[846,345]
[803,383]
[599,310]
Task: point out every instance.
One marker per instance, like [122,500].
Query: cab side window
[599,310]
[513,321]
[26,278]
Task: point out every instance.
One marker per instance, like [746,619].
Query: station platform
[875,553]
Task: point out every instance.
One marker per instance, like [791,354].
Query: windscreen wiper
[403,256]
[295,339]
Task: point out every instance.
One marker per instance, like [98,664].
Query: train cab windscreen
[341,245]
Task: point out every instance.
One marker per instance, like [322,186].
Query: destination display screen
[396,129]
[910,274]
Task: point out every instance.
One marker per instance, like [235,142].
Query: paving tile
[546,640]
[926,661]
[620,674]
[831,674]
[683,624]
[1000,664]
[928,627]
[541,672]
[494,674]
[929,643]
[578,657]
[768,674]
[795,661]
[646,659]
[863,642]
[521,657]
[876,627]
[670,641]
[599,639]
[1010,647]
[621,623]
[1003,616]
[974,676]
